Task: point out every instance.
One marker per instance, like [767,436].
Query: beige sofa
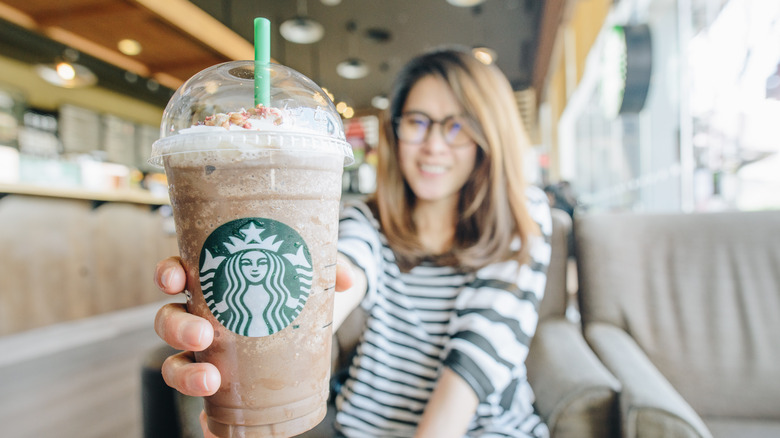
[684,309]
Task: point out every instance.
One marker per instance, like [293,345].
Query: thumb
[344,274]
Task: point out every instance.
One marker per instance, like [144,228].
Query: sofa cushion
[700,294]
[752,428]
[649,404]
[575,394]
[652,423]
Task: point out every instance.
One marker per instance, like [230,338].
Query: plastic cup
[256,213]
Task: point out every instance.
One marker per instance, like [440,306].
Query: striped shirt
[479,324]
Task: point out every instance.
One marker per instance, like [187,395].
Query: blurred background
[638,104]
[630,105]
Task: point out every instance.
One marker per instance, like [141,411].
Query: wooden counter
[135,196]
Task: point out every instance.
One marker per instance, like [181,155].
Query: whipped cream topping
[263,118]
[257,119]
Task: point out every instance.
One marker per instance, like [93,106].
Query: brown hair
[492,204]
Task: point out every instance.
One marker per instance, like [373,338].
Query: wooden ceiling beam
[180,15]
[98,51]
[167,80]
[60,17]
[17,17]
[201,26]
[73,40]
[552,17]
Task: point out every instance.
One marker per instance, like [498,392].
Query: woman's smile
[433,169]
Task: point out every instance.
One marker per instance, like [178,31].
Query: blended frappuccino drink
[255,192]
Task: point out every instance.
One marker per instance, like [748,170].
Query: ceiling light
[352,68]
[152,85]
[65,71]
[330,2]
[66,74]
[129,47]
[380,102]
[302,30]
[485,55]
[378,35]
[465,3]
[348,113]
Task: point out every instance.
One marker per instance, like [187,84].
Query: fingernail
[199,379]
[166,278]
[193,333]
[206,381]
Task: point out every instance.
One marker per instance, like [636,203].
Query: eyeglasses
[415,127]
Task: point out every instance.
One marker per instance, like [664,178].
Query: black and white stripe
[479,324]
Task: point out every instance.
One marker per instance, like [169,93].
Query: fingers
[169,276]
[182,330]
[344,274]
[197,379]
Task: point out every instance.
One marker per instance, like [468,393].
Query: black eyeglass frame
[466,126]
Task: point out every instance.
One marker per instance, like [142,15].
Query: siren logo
[256,275]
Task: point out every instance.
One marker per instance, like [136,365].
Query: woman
[448,259]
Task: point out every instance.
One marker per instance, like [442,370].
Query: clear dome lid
[215,110]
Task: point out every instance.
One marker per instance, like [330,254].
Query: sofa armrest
[575,394]
[649,405]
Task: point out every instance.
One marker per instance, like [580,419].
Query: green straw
[262,60]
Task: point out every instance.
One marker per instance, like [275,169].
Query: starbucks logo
[256,275]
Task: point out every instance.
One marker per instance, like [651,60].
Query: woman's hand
[188,332]
[183,331]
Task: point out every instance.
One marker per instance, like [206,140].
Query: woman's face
[254,266]
[434,170]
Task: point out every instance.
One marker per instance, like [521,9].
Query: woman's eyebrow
[415,112]
[423,113]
